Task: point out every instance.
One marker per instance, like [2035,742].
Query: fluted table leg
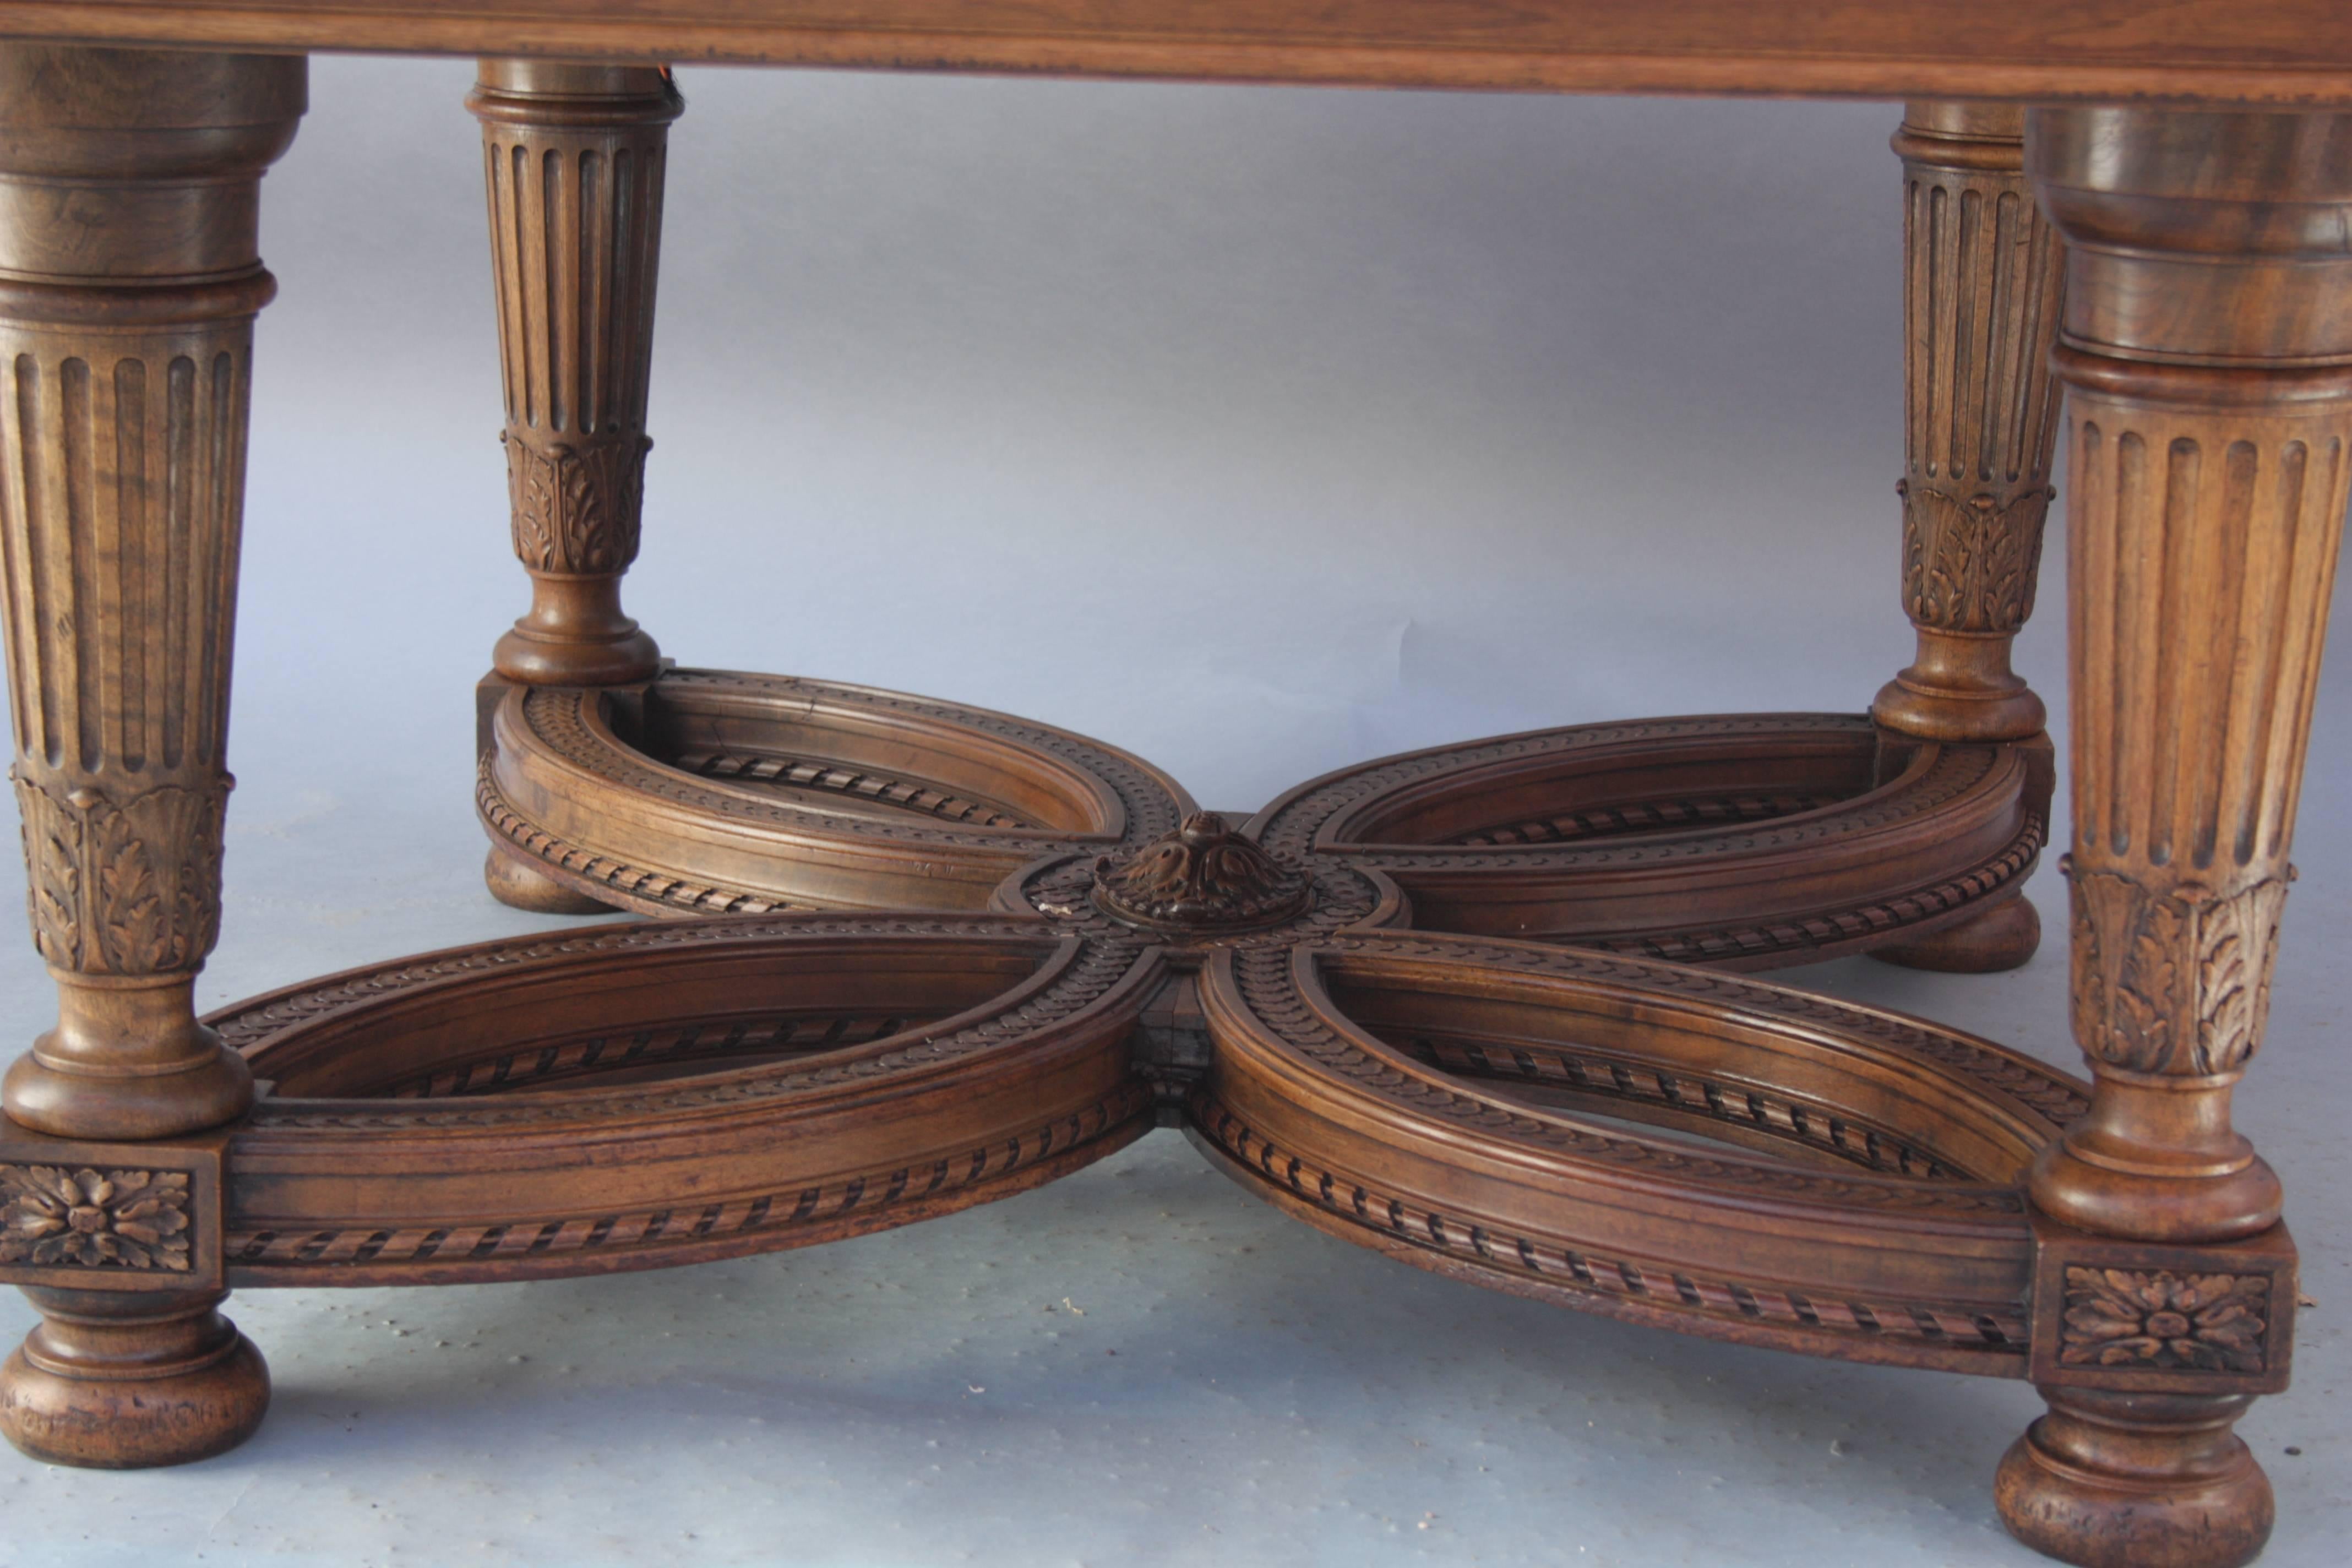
[572,158]
[2208,356]
[129,192]
[1981,287]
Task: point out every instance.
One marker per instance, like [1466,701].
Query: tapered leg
[1982,285]
[2208,357]
[128,189]
[572,158]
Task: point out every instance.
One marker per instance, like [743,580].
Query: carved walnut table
[956,954]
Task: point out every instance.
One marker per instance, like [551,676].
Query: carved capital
[2173,982]
[1970,561]
[123,886]
[577,507]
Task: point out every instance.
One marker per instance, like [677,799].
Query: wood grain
[2255,52]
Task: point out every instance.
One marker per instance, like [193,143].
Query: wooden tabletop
[2282,52]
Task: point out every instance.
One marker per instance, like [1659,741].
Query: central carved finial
[1203,876]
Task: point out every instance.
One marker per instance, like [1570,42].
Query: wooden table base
[1421,1004]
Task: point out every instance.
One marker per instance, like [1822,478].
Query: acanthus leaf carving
[128,887]
[1969,562]
[53,861]
[2175,981]
[577,507]
[2233,968]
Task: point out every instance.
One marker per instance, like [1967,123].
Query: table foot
[2001,937]
[517,886]
[117,1380]
[2123,1481]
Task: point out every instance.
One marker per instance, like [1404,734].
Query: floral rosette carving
[115,1219]
[2117,1317]
[1201,877]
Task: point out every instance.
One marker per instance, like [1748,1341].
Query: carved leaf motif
[53,845]
[93,1219]
[130,887]
[2172,983]
[1969,564]
[133,918]
[158,908]
[2125,980]
[2234,960]
[2148,1001]
[576,508]
[2117,1317]
[2089,962]
[531,504]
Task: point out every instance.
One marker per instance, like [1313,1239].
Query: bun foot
[2002,937]
[127,1380]
[516,885]
[2128,1480]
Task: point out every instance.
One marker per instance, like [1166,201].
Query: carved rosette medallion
[94,1219]
[1203,877]
[130,887]
[577,507]
[2176,982]
[2131,1318]
[1969,562]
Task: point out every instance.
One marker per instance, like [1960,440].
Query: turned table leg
[1982,285]
[129,191]
[572,157]
[2208,357]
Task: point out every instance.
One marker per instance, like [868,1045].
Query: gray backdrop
[1258,431]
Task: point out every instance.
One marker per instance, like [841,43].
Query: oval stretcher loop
[638,1096]
[721,793]
[1649,1140]
[1747,841]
